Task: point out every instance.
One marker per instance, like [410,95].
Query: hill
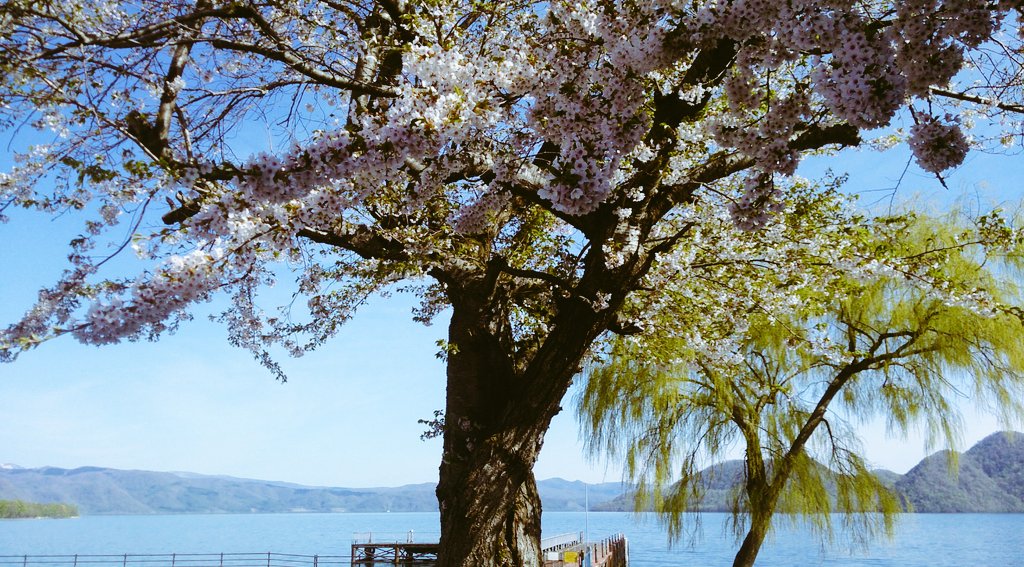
[990,478]
[559,495]
[96,490]
[719,482]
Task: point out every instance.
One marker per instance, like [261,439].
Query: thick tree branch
[815,137]
[360,239]
[169,96]
[533,274]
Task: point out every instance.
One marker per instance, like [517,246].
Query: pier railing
[410,536]
[562,541]
[609,552]
[176,560]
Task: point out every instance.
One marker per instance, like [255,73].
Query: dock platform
[559,551]
[394,552]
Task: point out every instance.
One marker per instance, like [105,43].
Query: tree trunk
[490,510]
[498,408]
[494,429]
[752,542]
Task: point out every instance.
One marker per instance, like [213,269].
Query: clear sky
[348,416]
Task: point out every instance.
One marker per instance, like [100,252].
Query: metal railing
[410,536]
[176,560]
[561,541]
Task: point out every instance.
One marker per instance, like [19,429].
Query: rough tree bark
[486,483]
[498,410]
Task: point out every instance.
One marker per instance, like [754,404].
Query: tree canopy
[529,165]
[924,317]
[21,509]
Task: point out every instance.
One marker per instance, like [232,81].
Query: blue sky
[348,416]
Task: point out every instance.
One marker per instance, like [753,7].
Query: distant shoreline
[21,510]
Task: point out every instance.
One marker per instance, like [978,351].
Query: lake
[925,540]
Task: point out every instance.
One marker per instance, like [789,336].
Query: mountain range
[989,477]
[97,490]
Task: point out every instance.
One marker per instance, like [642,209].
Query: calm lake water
[926,540]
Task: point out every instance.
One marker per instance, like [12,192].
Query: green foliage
[900,317]
[10,509]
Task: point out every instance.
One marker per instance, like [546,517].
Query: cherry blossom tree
[528,166]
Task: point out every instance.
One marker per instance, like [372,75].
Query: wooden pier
[370,548]
[565,550]
[394,552]
[609,552]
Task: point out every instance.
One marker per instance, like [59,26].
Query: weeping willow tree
[904,318]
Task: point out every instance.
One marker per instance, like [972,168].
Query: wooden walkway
[559,551]
[609,552]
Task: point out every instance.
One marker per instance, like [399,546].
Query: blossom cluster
[937,146]
[183,280]
[860,82]
[934,35]
[861,72]
[757,202]
[591,97]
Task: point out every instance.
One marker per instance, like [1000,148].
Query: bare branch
[1009,107]
[303,68]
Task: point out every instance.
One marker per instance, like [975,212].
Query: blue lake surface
[925,540]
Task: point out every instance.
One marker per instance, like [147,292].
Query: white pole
[586,508]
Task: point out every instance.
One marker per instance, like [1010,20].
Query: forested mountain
[989,478]
[110,491]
